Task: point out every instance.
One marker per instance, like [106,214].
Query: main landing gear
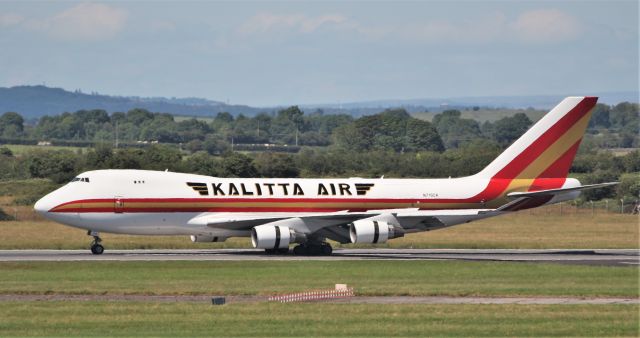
[96,247]
[313,249]
[276,251]
[305,249]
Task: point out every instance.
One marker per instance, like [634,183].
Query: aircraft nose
[43,205]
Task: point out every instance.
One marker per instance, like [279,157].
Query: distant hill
[36,101]
[508,102]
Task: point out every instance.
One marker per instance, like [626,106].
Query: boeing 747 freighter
[276,213]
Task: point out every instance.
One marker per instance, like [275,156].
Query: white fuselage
[166,203]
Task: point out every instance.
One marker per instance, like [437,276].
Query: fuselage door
[118,204]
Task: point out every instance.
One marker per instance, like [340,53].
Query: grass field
[536,229]
[483,115]
[370,278]
[206,119]
[20,195]
[19,149]
[317,320]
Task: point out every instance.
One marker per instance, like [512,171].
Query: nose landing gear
[96,247]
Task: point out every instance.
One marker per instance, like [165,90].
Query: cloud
[536,26]
[546,25]
[83,22]
[10,19]
[162,26]
[264,23]
[479,30]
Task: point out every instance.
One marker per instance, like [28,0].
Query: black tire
[97,249]
[270,251]
[299,250]
[314,250]
[326,250]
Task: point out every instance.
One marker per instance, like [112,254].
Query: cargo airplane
[277,212]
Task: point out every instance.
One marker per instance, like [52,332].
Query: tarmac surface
[607,257]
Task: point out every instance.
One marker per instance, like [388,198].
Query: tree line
[393,130]
[62,165]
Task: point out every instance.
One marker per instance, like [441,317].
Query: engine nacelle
[272,237]
[367,231]
[207,239]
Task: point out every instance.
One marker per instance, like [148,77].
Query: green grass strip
[419,278]
[72,319]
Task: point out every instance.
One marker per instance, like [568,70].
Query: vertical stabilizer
[547,149]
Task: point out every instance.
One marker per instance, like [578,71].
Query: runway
[607,257]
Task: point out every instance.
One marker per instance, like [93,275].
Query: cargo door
[118,204]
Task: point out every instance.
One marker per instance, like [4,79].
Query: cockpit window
[81,179]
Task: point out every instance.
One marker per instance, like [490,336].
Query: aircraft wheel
[299,250]
[282,251]
[316,250]
[97,249]
[323,249]
[327,250]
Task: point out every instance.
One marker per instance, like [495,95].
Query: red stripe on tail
[555,175]
[528,155]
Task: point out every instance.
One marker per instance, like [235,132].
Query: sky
[292,52]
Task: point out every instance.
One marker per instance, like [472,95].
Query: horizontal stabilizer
[550,192]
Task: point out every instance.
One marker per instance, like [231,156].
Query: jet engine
[272,237]
[368,231]
[207,239]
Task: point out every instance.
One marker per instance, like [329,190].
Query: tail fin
[547,149]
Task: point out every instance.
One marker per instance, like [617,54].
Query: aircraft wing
[245,221]
[335,225]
